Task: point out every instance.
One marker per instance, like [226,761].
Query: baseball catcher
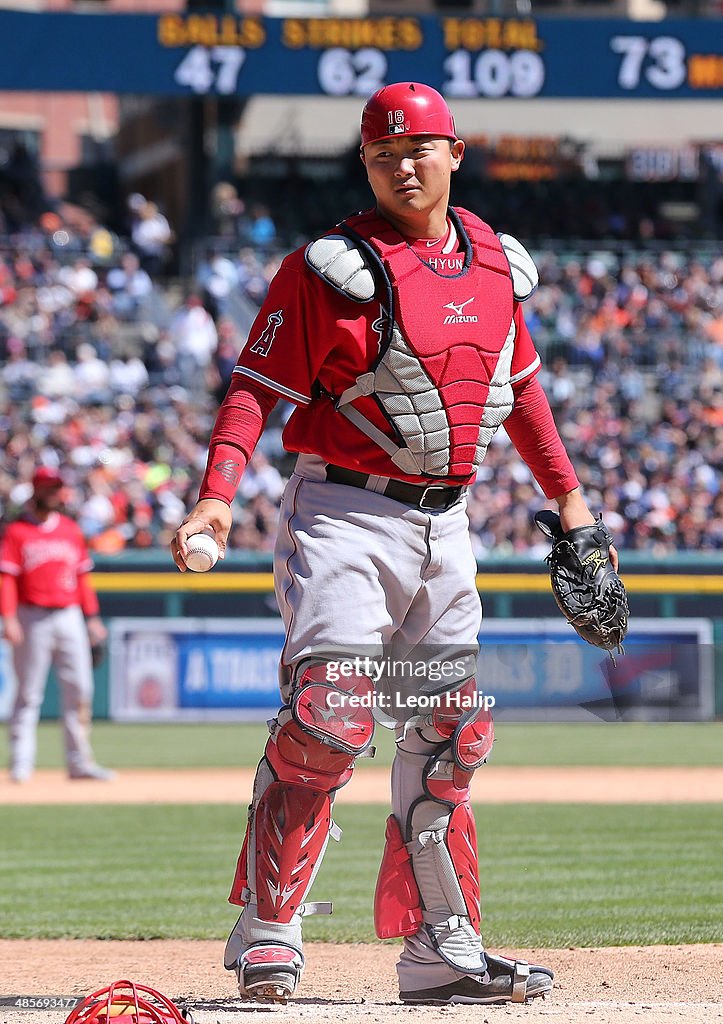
[587,588]
[400,337]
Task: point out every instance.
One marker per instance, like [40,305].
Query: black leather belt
[428,498]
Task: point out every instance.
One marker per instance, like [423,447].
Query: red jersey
[48,561]
[309,342]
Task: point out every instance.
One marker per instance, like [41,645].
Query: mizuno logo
[596,559]
[457,316]
[458,307]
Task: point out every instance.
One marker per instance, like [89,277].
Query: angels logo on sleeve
[262,345]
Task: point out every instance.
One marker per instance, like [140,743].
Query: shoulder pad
[337,260]
[525,278]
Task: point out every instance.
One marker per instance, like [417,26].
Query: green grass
[554,875]
[234,745]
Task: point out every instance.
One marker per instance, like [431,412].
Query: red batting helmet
[406,108]
[125,1002]
[46,476]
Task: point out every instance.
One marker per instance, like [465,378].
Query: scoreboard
[463,57]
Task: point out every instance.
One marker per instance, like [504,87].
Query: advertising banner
[529,669]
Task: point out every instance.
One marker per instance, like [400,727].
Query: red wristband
[239,425]
[224,469]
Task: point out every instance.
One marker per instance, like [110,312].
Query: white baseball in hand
[202,552]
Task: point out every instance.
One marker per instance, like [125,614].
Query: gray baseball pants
[54,637]
[357,571]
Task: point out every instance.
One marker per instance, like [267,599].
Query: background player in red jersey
[399,337]
[50,617]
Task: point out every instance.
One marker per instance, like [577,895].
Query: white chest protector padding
[414,405]
[522,267]
[337,258]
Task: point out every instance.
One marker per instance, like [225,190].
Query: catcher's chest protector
[442,377]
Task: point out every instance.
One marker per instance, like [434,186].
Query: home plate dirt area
[347,984]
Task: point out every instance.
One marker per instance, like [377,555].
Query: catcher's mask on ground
[126,1002]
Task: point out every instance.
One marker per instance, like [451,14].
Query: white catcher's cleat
[269,972]
[269,963]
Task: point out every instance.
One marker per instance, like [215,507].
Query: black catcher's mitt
[588,591]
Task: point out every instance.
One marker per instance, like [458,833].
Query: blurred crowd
[115,378]
[306,199]
[632,350]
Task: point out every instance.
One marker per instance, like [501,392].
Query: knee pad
[336,714]
[468,728]
[310,754]
[467,723]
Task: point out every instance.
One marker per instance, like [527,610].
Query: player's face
[49,498]
[410,177]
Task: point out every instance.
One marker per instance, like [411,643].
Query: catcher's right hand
[588,590]
[209,513]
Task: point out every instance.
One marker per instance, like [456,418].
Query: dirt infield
[355,984]
[371,785]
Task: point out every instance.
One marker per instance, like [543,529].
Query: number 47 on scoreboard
[214,69]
